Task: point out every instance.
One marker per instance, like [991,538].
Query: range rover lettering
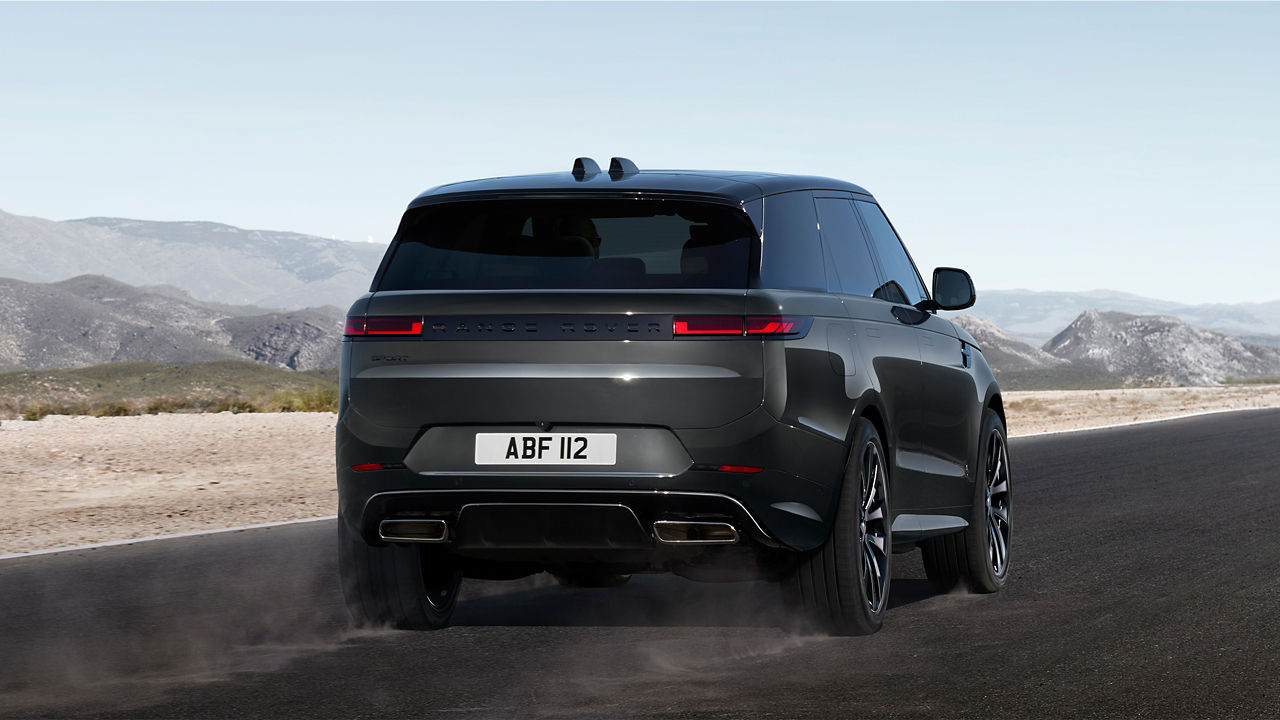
[723,375]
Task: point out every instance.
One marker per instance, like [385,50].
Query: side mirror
[953,289]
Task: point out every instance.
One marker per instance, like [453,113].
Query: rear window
[564,244]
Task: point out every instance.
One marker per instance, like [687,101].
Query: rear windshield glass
[558,244]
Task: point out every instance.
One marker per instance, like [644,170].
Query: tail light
[707,326]
[357,326]
[753,325]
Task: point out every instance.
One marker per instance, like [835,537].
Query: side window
[791,254]
[906,285]
[843,237]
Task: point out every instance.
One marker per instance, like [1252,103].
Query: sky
[1134,147]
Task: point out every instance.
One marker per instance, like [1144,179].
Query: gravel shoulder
[78,480]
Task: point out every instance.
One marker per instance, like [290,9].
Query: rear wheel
[980,554]
[844,585]
[412,587]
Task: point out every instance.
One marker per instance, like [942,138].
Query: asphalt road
[1146,583]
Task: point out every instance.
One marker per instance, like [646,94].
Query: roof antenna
[621,167]
[585,167]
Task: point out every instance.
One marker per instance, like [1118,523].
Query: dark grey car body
[596,359]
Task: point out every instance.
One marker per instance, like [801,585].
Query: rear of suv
[727,376]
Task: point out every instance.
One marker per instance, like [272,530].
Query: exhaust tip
[414,531]
[681,532]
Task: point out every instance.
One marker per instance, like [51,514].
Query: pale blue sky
[1065,147]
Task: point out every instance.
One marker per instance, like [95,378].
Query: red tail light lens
[773,325]
[383,326]
[739,469]
[707,326]
[759,325]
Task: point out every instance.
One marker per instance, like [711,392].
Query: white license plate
[546,449]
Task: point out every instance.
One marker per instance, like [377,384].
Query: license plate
[546,449]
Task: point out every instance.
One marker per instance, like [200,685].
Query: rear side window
[791,257]
[898,268]
[570,243]
[843,237]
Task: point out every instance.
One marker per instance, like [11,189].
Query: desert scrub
[35,412]
[166,404]
[113,410]
[234,405]
[316,399]
[38,411]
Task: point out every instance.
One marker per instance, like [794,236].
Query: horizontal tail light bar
[751,325]
[383,325]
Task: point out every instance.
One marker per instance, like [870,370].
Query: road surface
[1146,583]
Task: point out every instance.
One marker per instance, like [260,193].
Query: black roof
[733,186]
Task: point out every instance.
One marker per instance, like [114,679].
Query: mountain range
[210,261]
[1106,349]
[91,319]
[1038,316]
[101,290]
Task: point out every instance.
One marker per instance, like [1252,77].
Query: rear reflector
[739,469]
[757,325]
[367,467]
[383,326]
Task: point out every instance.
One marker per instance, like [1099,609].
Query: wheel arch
[996,403]
[870,408]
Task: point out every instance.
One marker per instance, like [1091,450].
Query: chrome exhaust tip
[681,532]
[414,531]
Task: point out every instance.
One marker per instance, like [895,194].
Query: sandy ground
[77,480]
[1053,410]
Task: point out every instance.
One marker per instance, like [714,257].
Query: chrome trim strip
[559,471]
[631,512]
[494,371]
[735,501]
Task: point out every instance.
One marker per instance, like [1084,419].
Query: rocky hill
[1037,316]
[91,319]
[212,262]
[1003,352]
[1159,350]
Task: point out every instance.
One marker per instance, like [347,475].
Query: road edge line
[174,536]
[1150,421]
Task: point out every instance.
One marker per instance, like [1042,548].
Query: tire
[410,587]
[980,554]
[843,586]
[590,579]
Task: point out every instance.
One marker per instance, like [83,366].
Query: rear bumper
[645,507]
[789,505]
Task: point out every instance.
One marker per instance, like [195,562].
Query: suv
[723,375]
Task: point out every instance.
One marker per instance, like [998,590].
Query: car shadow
[647,600]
